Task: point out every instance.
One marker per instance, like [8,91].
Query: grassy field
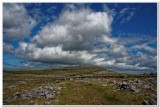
[78,89]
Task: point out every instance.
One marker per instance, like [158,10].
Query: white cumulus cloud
[75,29]
[82,37]
[16,23]
[70,38]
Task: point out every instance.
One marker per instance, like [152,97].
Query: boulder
[124,85]
[124,80]
[137,81]
[49,96]
[22,82]
[59,88]
[147,87]
[134,89]
[47,92]
[29,94]
[140,84]
[42,94]
[17,95]
[131,82]
[71,79]
[128,86]
[24,96]
[13,87]
[7,101]
[151,80]
[104,85]
[50,88]
[112,82]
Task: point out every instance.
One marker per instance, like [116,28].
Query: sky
[117,36]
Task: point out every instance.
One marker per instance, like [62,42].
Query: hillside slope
[76,70]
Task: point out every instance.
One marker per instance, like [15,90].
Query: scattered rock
[104,85]
[150,84]
[124,80]
[134,89]
[17,95]
[61,83]
[7,101]
[59,88]
[151,80]
[57,81]
[13,87]
[49,96]
[131,82]
[29,94]
[24,96]
[71,79]
[147,87]
[128,86]
[22,82]
[137,81]
[112,82]
[141,95]
[124,85]
[47,92]
[140,84]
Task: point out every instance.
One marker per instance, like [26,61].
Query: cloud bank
[70,39]
[78,36]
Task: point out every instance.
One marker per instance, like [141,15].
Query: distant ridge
[72,70]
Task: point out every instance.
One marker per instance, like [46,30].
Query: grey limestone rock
[134,89]
[49,96]
[147,87]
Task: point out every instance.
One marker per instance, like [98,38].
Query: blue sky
[118,36]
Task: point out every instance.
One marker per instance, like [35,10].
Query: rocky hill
[78,86]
